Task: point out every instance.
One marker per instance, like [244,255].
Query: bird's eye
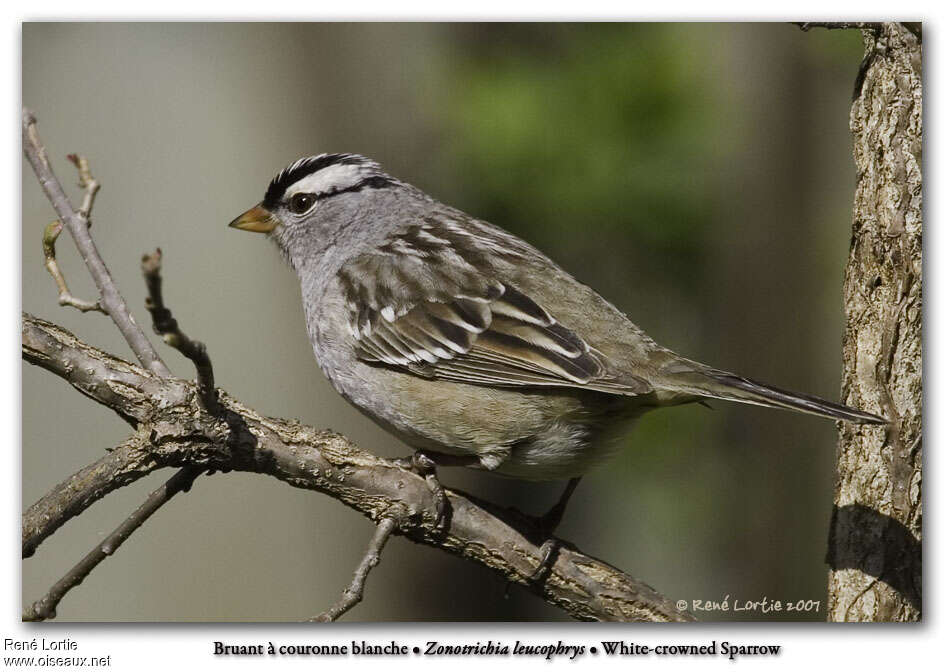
[301,203]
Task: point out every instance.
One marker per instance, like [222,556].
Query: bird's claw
[440,501]
[549,550]
[546,525]
[424,466]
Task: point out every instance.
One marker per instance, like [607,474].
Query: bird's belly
[451,417]
[549,434]
[564,450]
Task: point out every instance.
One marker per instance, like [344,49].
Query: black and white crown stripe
[336,174]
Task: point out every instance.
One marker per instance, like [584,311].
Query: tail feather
[768,395]
[723,385]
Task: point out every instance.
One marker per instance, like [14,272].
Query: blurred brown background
[697,175]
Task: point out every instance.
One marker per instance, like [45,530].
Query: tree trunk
[875,537]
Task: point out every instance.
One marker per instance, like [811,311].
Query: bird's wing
[428,301]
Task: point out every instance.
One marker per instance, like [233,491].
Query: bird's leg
[546,526]
[423,463]
[550,520]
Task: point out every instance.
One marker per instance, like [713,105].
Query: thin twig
[874,26]
[77,225]
[52,231]
[87,182]
[354,593]
[66,298]
[166,326]
[45,608]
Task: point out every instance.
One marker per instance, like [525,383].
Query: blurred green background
[697,175]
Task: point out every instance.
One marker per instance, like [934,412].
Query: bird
[468,343]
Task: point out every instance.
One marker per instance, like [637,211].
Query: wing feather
[429,301]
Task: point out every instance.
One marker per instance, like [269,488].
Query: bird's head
[309,201]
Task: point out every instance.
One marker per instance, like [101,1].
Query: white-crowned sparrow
[465,341]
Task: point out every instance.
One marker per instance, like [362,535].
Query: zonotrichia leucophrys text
[465,341]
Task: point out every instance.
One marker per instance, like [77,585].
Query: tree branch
[166,326]
[77,224]
[354,593]
[124,465]
[45,608]
[182,433]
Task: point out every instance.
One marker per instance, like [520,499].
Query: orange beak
[256,219]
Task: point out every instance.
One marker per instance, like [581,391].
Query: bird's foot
[549,550]
[546,525]
[424,466]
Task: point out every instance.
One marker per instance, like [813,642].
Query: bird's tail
[693,378]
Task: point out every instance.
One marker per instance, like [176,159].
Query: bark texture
[875,537]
